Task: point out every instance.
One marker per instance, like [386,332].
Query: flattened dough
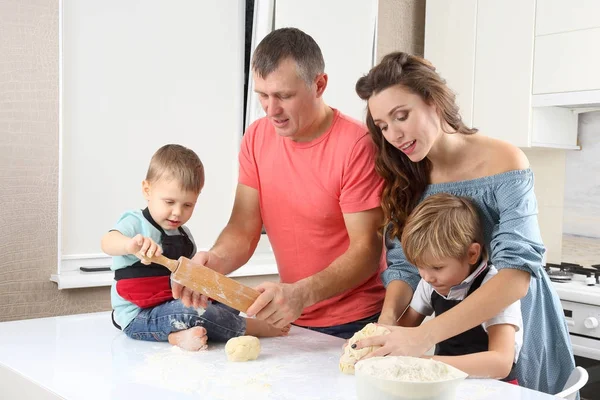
[351,356]
[242,348]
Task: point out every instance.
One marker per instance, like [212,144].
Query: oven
[579,291]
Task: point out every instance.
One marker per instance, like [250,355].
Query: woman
[424,148]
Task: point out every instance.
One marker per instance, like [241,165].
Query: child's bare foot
[258,328]
[193,339]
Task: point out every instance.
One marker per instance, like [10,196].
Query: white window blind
[136,75]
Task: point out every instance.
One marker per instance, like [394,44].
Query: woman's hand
[400,342]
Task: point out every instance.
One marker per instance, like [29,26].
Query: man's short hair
[292,43]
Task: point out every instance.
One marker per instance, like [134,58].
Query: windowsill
[259,264]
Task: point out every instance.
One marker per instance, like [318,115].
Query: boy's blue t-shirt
[132,223]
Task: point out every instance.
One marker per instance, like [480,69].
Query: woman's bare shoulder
[501,156]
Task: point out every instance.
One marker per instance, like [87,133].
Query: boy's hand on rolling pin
[143,247]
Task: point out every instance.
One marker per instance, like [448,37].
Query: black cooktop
[564,271]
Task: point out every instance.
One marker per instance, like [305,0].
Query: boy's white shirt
[421,303]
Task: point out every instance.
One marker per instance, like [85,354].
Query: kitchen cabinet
[493,75]
[503,70]
[85,357]
[566,62]
[555,16]
[450,46]
[565,35]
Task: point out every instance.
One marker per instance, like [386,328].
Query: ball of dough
[351,356]
[243,348]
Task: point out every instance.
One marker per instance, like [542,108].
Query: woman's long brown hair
[405,181]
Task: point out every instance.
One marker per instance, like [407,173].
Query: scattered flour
[199,373]
[179,325]
[173,368]
[408,369]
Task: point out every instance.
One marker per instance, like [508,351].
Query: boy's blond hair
[173,161]
[442,226]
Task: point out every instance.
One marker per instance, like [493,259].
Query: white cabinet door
[567,62]
[554,16]
[450,28]
[503,69]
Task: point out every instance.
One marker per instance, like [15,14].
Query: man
[307,173]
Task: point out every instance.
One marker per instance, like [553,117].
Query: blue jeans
[155,324]
[345,331]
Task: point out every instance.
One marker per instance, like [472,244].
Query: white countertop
[85,357]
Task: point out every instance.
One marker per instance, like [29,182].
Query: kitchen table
[85,357]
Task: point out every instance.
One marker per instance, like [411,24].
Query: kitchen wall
[548,166]
[29,152]
[567,187]
[582,187]
[401,27]
[29,166]
[581,220]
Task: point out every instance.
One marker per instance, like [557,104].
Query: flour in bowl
[408,369]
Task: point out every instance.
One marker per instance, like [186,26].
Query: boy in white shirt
[443,238]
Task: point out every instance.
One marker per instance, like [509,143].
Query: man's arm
[234,246]
[358,263]
[237,242]
[280,304]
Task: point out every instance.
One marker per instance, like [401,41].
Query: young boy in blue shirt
[143,305]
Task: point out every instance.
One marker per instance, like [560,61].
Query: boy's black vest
[150,285]
[474,340]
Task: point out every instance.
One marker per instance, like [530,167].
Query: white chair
[576,381]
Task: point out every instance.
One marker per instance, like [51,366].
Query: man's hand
[279,303]
[201,258]
[188,297]
[143,247]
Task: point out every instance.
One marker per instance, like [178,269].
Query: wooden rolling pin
[208,282]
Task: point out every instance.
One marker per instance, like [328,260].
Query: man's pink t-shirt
[305,188]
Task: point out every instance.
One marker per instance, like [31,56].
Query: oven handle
[585,351]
